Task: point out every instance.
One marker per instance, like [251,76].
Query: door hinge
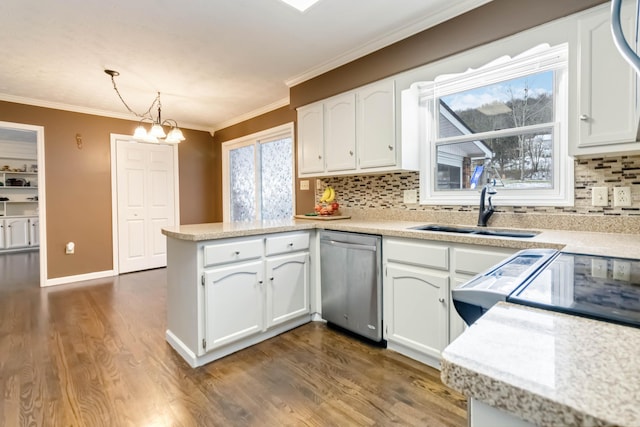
[204,343]
[202,280]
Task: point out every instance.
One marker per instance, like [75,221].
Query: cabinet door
[376,126]
[287,287]
[2,234]
[17,233]
[607,88]
[234,301]
[34,231]
[310,139]
[416,308]
[340,132]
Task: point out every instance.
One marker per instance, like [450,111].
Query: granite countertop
[610,244]
[548,368]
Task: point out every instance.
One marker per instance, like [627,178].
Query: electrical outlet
[599,268]
[410,197]
[599,196]
[622,196]
[304,184]
[622,270]
[70,248]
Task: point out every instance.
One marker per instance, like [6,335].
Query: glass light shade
[140,132]
[175,134]
[157,131]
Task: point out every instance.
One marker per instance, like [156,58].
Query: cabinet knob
[260,282]
[351,152]
[390,147]
[237,252]
[271,278]
[584,117]
[319,157]
[441,300]
[290,244]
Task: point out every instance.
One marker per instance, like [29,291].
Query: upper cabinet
[353,133]
[605,119]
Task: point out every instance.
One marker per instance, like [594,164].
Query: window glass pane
[511,103]
[524,160]
[242,179]
[276,166]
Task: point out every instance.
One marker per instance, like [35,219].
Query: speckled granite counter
[610,244]
[548,368]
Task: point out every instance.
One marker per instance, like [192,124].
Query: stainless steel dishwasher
[351,282]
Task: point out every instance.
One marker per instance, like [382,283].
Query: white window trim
[278,132]
[563,168]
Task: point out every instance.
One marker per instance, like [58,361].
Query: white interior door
[146,203]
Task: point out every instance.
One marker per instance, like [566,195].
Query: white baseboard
[79,278]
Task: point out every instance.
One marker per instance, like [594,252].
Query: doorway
[22,193]
[145,200]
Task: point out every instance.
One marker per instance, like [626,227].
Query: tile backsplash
[386,191]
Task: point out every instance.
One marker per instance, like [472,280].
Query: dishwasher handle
[346,245]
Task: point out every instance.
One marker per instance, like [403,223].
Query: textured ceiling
[214,61]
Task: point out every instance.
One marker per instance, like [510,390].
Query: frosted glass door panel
[276,166]
[243,178]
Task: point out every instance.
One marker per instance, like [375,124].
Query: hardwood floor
[94,354]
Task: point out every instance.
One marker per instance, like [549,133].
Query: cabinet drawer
[223,253]
[474,261]
[417,253]
[287,243]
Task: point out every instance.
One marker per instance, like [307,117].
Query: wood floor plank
[94,354]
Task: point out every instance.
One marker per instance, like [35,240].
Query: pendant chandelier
[156,132]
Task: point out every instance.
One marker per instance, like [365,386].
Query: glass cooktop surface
[603,288]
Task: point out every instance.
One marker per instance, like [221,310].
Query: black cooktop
[603,288]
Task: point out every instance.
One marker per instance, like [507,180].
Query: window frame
[540,58]
[255,139]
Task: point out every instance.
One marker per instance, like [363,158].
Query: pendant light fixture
[156,132]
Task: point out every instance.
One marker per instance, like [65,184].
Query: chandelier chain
[142,116]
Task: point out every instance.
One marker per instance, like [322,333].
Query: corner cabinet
[225,295]
[353,133]
[605,119]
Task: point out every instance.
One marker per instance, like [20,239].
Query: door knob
[584,117]
[441,300]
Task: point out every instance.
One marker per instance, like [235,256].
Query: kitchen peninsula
[194,250]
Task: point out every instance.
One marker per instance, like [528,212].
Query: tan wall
[78,183]
[493,21]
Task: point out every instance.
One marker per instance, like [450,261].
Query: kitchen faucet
[485,214]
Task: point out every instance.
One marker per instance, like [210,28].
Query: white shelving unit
[19,220]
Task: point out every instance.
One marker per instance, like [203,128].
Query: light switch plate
[600,196]
[599,268]
[410,197]
[304,184]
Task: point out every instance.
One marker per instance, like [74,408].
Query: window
[258,178]
[503,124]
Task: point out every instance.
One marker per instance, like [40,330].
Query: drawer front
[223,253]
[417,253]
[474,261]
[287,243]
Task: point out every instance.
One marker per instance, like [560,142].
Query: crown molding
[448,12]
[87,110]
[251,114]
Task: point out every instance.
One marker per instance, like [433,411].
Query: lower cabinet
[19,233]
[225,295]
[416,308]
[234,302]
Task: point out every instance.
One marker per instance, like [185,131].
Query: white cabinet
[2,234]
[606,118]
[287,287]
[358,134]
[225,295]
[340,133]
[376,125]
[420,319]
[311,139]
[16,233]
[416,308]
[234,301]
[34,236]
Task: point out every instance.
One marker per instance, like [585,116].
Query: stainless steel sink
[522,234]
